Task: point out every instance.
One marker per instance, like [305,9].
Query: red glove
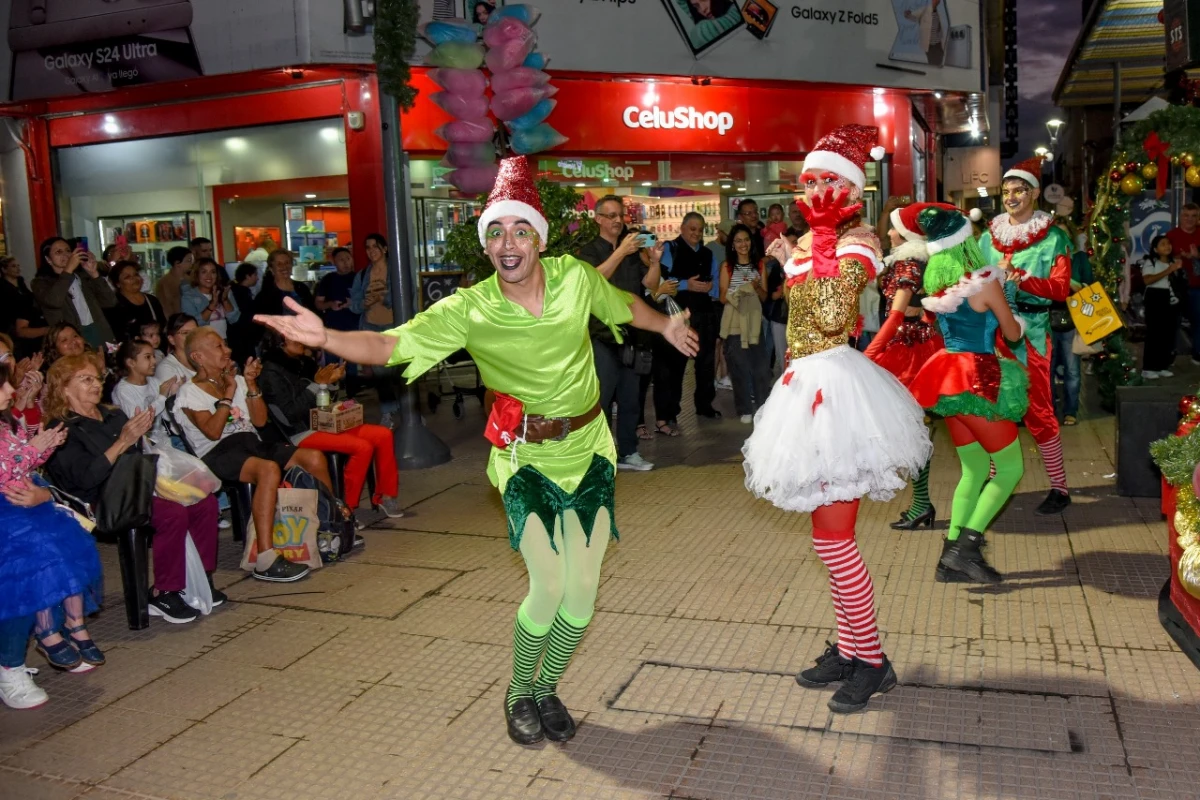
[826,213]
[886,333]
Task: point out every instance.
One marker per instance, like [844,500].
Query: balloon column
[521,95]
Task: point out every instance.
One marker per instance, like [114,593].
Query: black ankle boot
[944,574]
[927,519]
[963,556]
[524,724]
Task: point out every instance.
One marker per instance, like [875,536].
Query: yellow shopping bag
[1093,313]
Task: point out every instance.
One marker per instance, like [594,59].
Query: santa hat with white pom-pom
[846,152]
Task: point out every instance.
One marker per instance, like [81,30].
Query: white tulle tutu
[841,428]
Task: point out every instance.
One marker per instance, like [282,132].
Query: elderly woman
[69,288]
[97,436]
[134,308]
[49,568]
[208,301]
[219,412]
[289,380]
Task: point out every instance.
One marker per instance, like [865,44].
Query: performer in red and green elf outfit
[1037,255]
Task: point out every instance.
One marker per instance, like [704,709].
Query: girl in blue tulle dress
[49,568]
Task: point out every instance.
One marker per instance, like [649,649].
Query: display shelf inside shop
[664,215]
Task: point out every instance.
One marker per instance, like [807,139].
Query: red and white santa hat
[1029,170]
[907,219]
[514,195]
[846,152]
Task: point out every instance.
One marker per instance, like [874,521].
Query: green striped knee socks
[529,641]
[565,635]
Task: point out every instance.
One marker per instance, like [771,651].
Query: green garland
[395,46]
[1178,126]
[1177,457]
[568,230]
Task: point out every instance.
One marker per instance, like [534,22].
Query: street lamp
[1054,128]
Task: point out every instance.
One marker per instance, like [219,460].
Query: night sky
[1046,29]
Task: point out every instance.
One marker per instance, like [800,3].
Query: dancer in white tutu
[836,426]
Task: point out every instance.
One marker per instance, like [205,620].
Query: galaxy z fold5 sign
[69,47]
[916,44]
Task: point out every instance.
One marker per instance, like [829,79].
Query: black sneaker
[830,668]
[170,606]
[1055,503]
[282,571]
[856,691]
[218,597]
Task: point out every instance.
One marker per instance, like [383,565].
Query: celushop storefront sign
[683,118]
[917,44]
[69,47]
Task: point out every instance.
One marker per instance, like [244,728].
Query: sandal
[664,429]
[644,433]
[61,655]
[87,648]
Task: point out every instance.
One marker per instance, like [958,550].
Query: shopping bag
[181,477]
[197,593]
[294,535]
[1094,314]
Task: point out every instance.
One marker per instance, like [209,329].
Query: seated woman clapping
[219,412]
[98,436]
[289,380]
[49,568]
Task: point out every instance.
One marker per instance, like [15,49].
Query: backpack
[335,520]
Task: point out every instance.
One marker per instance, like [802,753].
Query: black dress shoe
[556,720]
[1055,503]
[524,724]
[927,519]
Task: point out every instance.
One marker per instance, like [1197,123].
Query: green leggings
[975,506]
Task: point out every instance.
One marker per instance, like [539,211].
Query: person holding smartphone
[69,288]
[619,366]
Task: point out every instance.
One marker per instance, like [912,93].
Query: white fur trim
[1021,323]
[915,250]
[1007,233]
[824,159]
[878,152]
[949,300]
[953,240]
[792,267]
[1028,177]
[512,208]
[862,251]
[898,224]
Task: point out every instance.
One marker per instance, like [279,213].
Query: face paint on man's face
[513,247]
[1018,198]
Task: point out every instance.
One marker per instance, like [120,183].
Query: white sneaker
[1150,375]
[747,419]
[18,690]
[724,383]
[635,463]
[1166,373]
[224,524]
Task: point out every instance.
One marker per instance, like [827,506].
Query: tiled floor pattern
[382,677]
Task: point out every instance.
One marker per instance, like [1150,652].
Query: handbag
[128,493]
[1060,320]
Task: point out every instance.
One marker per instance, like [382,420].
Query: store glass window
[251,189]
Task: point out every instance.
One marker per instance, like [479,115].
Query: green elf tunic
[1036,247]
[546,363]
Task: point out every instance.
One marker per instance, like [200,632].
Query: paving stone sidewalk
[382,677]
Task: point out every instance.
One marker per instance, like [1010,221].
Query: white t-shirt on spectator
[1152,266]
[191,396]
[131,399]
[172,367]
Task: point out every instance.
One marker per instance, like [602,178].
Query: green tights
[975,506]
[562,595]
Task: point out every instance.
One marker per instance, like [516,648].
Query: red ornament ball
[1091,252]
[1185,404]
[1115,175]
[1132,166]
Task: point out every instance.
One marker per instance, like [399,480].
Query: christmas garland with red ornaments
[1178,457]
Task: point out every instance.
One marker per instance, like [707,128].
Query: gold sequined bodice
[822,312]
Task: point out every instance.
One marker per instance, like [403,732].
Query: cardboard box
[335,420]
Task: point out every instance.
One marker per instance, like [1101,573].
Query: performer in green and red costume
[980,394]
[1037,256]
[553,458]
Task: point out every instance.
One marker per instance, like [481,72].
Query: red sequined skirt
[973,384]
[915,343]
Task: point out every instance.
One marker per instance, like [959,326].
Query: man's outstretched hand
[828,210]
[305,327]
[680,334]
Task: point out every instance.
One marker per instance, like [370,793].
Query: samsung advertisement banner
[916,44]
[68,47]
